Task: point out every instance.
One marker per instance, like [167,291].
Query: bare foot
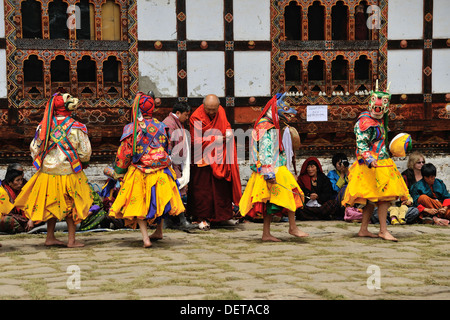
[75,244]
[156,236]
[270,238]
[366,233]
[54,242]
[440,221]
[204,225]
[147,243]
[387,236]
[298,233]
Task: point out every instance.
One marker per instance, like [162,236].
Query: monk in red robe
[215,182]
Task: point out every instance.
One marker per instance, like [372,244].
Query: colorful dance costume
[260,197]
[149,188]
[6,203]
[60,150]
[383,182]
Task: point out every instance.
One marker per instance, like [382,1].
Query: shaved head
[211,105]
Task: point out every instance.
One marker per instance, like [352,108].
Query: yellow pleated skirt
[286,193]
[5,205]
[147,196]
[384,183]
[47,196]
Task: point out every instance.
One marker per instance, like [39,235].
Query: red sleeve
[123,156]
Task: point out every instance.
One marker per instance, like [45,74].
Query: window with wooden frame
[325,49]
[81,29]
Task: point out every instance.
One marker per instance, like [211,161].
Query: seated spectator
[431,197]
[96,213]
[402,212]
[339,176]
[413,173]
[13,220]
[320,203]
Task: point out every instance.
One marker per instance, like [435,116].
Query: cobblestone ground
[232,263]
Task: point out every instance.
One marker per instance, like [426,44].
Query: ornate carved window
[325,49]
[293,71]
[339,75]
[323,53]
[362,70]
[57,13]
[316,21]
[88,48]
[30,14]
[86,73]
[293,21]
[339,21]
[60,74]
[86,28]
[110,21]
[112,83]
[33,77]
[361,17]
[69,38]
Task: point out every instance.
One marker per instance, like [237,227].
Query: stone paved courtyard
[232,264]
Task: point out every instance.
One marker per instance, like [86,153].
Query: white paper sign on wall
[317,113]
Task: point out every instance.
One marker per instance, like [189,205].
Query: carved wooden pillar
[282,23]
[373,16]
[45,21]
[124,23]
[125,76]
[305,78]
[305,24]
[71,20]
[374,64]
[351,75]
[328,28]
[19,77]
[47,79]
[351,23]
[99,90]
[74,78]
[328,83]
[98,21]
[283,77]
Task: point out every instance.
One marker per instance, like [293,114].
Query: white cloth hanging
[186,165]
[287,144]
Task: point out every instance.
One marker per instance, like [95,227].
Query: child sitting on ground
[398,209]
[431,197]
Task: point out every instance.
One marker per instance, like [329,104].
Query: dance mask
[379,102]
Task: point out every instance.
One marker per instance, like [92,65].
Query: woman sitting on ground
[320,202]
[413,174]
[13,220]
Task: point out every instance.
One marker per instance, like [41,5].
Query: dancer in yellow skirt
[149,189]
[271,189]
[374,178]
[59,189]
